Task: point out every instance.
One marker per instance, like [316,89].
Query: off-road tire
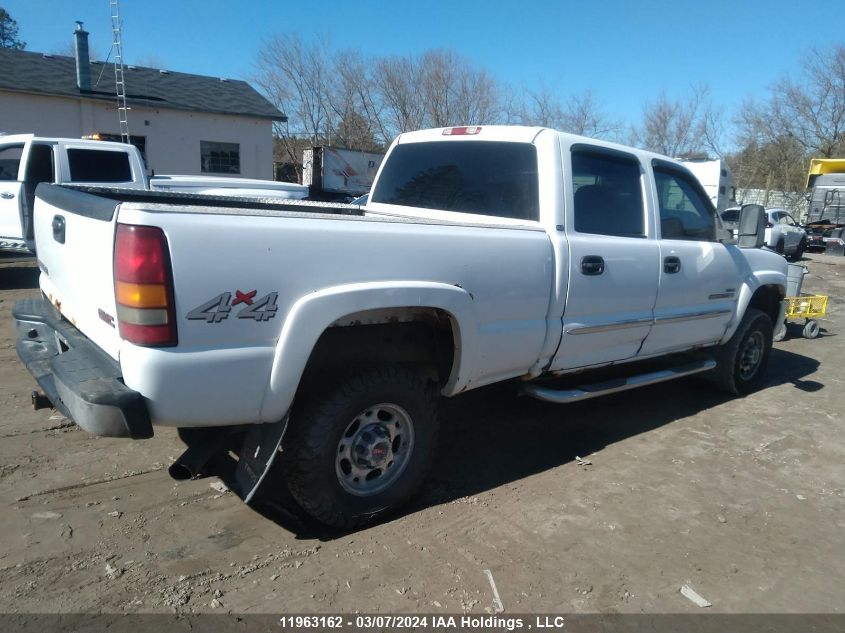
[727,375]
[309,450]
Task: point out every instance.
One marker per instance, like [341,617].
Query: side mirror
[752,226]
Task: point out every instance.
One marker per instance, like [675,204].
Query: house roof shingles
[24,71]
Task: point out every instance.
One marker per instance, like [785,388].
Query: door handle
[59,229]
[671,265]
[7,195]
[592,265]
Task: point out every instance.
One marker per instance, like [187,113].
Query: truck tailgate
[74,238]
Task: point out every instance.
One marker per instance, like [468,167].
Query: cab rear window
[97,165]
[482,177]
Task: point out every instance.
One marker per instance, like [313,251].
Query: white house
[183,123]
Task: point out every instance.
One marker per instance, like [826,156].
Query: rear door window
[608,197]
[483,177]
[98,165]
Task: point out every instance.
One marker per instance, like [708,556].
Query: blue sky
[627,52]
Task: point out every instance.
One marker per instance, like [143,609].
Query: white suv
[784,234]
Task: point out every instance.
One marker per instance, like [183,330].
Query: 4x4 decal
[220,307]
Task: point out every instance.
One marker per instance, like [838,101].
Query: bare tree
[579,114]
[396,83]
[582,114]
[295,77]
[681,127]
[810,110]
[454,93]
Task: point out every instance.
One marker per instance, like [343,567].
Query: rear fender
[312,314]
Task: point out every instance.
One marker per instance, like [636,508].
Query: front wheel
[743,359]
[363,446]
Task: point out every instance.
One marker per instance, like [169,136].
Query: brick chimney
[83,64]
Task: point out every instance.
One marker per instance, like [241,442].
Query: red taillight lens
[139,254]
[143,284]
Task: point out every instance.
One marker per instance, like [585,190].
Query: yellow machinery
[819,166]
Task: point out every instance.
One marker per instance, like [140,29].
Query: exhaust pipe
[193,463]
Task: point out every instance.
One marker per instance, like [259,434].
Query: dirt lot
[740,498]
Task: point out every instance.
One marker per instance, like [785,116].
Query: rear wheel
[743,359]
[779,246]
[811,329]
[363,446]
[799,252]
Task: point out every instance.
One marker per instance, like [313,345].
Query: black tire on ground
[743,359]
[779,336]
[779,246]
[331,425]
[798,255]
[811,329]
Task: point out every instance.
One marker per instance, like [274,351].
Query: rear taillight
[143,286]
[769,225]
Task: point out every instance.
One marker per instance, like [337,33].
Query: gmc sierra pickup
[322,334]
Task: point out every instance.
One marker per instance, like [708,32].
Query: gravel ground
[610,505]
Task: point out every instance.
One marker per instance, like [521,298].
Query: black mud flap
[259,448]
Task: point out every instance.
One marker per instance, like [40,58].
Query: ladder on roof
[119,78]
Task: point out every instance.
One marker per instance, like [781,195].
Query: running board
[585,392]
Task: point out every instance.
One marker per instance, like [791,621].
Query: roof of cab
[7,139]
[522,134]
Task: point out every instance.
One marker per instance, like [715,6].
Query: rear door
[613,257]
[11,189]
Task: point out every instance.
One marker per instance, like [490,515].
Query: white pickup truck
[27,160]
[324,333]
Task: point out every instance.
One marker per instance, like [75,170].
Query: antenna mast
[119,80]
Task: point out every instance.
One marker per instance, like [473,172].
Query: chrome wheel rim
[374,449]
[751,356]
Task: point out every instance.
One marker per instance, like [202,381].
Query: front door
[613,258]
[699,277]
[11,189]
[792,233]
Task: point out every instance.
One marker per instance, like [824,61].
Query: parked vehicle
[784,235]
[224,186]
[825,224]
[484,254]
[333,173]
[730,219]
[27,160]
[716,178]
